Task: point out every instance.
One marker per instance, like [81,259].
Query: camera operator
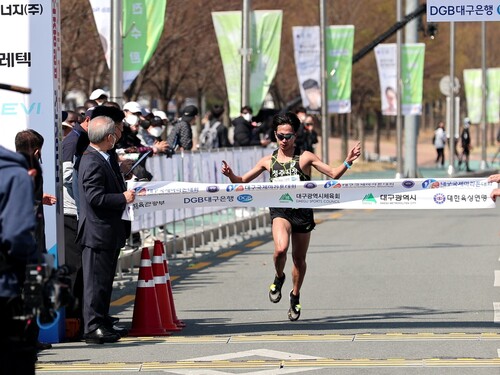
[17,249]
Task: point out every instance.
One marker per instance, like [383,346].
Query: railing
[188,231]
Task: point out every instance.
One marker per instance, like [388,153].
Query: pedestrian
[181,136]
[17,250]
[101,230]
[466,145]
[439,142]
[284,165]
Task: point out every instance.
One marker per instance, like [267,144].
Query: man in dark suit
[101,231]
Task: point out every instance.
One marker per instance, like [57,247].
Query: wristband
[347,165]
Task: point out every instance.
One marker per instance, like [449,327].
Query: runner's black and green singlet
[301,219]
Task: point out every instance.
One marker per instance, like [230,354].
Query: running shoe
[275,289]
[294,311]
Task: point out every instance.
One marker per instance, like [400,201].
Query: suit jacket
[101,203]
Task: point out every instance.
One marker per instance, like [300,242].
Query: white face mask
[155,131]
[247,116]
[132,119]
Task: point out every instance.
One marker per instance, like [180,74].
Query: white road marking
[497,278]
[496,309]
[254,353]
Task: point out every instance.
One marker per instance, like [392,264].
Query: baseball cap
[189,112]
[160,114]
[133,107]
[96,94]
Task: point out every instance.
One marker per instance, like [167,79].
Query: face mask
[155,131]
[247,116]
[132,120]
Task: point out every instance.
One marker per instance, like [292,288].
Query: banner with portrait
[412,77]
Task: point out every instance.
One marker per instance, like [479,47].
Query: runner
[285,165]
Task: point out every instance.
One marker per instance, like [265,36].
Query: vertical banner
[102,17]
[265,44]
[307,62]
[412,74]
[32,59]
[385,54]
[227,27]
[473,94]
[493,100]
[339,46]
[143,22]
[473,82]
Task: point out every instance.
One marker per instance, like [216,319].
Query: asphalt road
[387,292]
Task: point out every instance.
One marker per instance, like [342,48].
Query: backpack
[208,136]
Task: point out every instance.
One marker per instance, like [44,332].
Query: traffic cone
[146,319]
[176,320]
[161,289]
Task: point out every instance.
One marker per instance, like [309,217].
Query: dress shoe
[42,346]
[113,319]
[101,335]
[121,331]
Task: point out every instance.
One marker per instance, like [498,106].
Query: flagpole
[116,92]
[246,54]
[399,118]
[484,90]
[324,105]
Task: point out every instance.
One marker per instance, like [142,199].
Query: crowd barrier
[202,228]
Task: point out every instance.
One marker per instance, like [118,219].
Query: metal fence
[190,231]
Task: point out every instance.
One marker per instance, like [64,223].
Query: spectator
[99,95]
[310,137]
[101,231]
[17,249]
[30,143]
[181,135]
[245,131]
[69,119]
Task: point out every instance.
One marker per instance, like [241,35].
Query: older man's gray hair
[99,128]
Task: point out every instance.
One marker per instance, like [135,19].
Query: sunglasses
[309,124]
[285,136]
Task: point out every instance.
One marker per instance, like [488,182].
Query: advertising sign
[462,10]
[32,59]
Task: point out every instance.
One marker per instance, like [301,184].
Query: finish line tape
[446,193]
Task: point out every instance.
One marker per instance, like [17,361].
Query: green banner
[143,22]
[493,100]
[339,47]
[412,76]
[473,94]
[265,44]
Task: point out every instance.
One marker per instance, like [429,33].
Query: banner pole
[325,129]
[116,93]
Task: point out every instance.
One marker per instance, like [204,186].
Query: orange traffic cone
[146,319]
[161,289]
[176,320]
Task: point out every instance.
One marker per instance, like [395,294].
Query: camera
[46,291]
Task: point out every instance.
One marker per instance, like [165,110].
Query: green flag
[493,101]
[339,46]
[473,94]
[143,22]
[412,76]
[265,44]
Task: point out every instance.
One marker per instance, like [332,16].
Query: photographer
[17,249]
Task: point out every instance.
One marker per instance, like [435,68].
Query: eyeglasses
[285,136]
